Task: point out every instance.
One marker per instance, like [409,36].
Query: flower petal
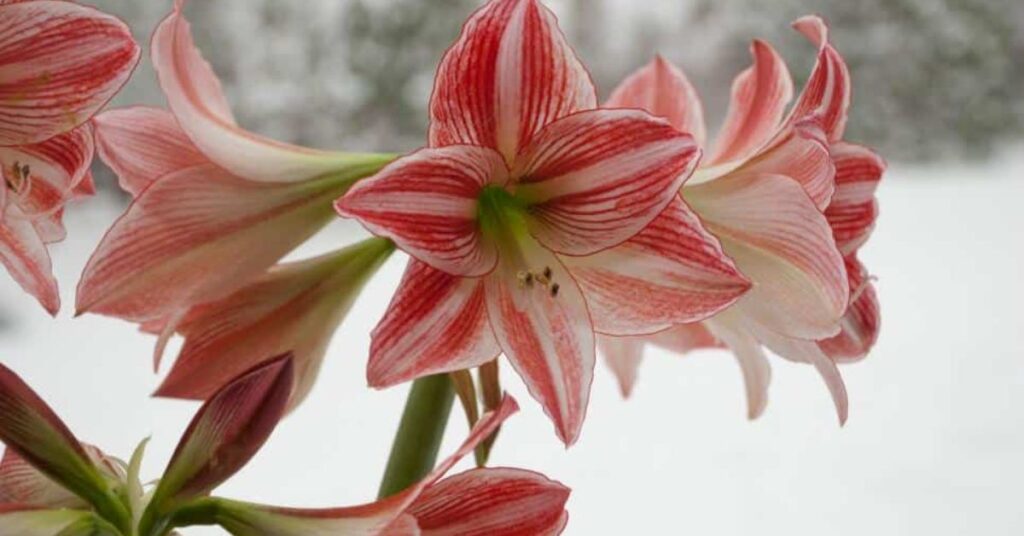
[662,89]
[226,432]
[142,144]
[809,352]
[492,502]
[61,62]
[623,355]
[781,241]
[31,429]
[546,332]
[16,520]
[24,254]
[757,373]
[759,97]
[859,326]
[510,73]
[685,338]
[595,179]
[194,95]
[436,322]
[369,519]
[801,153]
[51,170]
[854,208]
[827,91]
[294,307]
[427,203]
[673,272]
[198,235]
[21,483]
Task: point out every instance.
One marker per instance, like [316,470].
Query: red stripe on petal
[854,209]
[21,483]
[545,331]
[24,254]
[673,272]
[427,203]
[827,91]
[860,325]
[662,89]
[143,144]
[436,322]
[801,153]
[597,178]
[510,73]
[61,63]
[492,502]
[195,236]
[759,98]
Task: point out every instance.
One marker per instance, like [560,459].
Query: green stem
[418,440]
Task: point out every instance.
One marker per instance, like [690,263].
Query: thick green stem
[418,440]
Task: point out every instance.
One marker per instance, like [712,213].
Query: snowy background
[936,434]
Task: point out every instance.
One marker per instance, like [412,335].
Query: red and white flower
[215,206]
[60,62]
[780,191]
[529,220]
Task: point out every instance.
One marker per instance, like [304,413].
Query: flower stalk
[418,440]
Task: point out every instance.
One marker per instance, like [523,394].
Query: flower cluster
[539,223]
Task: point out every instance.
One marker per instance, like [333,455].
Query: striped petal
[759,98]
[492,502]
[43,176]
[16,520]
[386,516]
[595,179]
[854,209]
[436,323]
[142,144]
[662,89]
[226,432]
[827,91]
[782,242]
[427,204]
[623,356]
[685,338]
[24,254]
[59,63]
[294,307]
[859,326]
[801,153]
[34,432]
[21,483]
[198,235]
[510,73]
[673,272]
[545,330]
[194,95]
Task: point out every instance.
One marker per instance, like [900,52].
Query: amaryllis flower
[294,307]
[215,206]
[59,64]
[763,192]
[50,483]
[529,220]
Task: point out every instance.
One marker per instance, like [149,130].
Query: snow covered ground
[933,446]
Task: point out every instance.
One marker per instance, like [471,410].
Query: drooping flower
[763,191]
[60,62]
[534,218]
[215,206]
[50,483]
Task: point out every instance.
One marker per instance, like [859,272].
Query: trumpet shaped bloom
[790,202]
[215,206]
[50,483]
[529,220]
[60,62]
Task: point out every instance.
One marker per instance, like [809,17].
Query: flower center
[502,218]
[17,178]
